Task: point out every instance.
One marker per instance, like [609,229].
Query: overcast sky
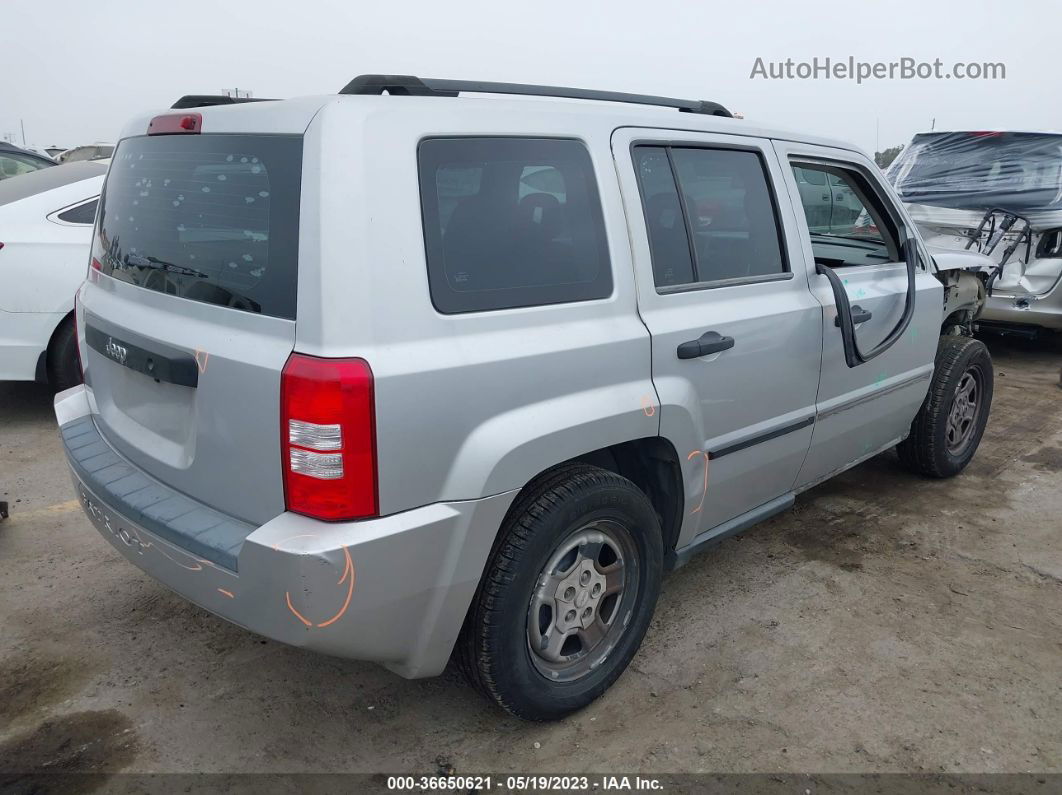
[74,71]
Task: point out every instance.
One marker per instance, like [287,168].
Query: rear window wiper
[153,263]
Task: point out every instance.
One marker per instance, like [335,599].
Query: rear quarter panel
[474,404]
[43,261]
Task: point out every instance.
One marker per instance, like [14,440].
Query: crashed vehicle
[471,384]
[998,193]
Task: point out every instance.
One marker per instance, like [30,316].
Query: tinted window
[809,176]
[846,219]
[212,218]
[730,213]
[511,222]
[82,214]
[710,215]
[668,240]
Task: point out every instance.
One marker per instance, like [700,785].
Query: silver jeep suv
[404,373]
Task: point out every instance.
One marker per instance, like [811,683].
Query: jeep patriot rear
[406,372]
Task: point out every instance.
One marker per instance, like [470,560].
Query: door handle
[859,315]
[708,342]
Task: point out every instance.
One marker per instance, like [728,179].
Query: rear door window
[710,214]
[211,218]
[511,222]
[668,238]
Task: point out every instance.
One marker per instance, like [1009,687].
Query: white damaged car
[998,193]
[45,230]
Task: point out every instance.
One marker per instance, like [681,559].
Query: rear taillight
[328,437]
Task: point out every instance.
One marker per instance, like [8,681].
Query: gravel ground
[886,624]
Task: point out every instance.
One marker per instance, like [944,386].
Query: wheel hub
[572,620]
[578,596]
[962,419]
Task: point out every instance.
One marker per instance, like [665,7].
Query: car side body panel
[467,404]
[42,262]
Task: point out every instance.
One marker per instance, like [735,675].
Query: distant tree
[884,159]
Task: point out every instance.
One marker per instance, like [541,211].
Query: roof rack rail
[408,85]
[206,100]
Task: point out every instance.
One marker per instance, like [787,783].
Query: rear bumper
[392,590]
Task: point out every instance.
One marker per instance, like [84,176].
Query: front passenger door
[867,408]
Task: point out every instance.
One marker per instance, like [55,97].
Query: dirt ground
[887,623]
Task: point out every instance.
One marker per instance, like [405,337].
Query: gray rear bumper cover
[155,507]
[392,590]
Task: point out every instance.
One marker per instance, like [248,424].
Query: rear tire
[64,367]
[576,574]
[947,430]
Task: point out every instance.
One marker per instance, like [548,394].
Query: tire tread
[922,451]
[477,657]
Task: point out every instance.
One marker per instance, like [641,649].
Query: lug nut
[570,616]
[596,589]
[584,578]
[569,594]
[587,612]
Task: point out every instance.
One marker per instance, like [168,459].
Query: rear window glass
[511,222]
[211,218]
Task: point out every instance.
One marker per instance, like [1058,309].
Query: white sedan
[46,222]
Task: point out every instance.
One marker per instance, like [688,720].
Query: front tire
[567,595]
[947,430]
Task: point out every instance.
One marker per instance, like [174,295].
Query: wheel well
[47,356]
[652,464]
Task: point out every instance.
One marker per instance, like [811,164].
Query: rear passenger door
[736,334]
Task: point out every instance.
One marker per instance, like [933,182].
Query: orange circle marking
[705,491]
[347,576]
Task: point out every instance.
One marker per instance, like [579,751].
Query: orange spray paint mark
[705,490]
[226,593]
[201,359]
[276,546]
[195,566]
[648,406]
[298,615]
[346,576]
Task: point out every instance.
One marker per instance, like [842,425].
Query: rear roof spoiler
[408,85]
[207,100]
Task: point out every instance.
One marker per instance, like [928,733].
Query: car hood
[949,259]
